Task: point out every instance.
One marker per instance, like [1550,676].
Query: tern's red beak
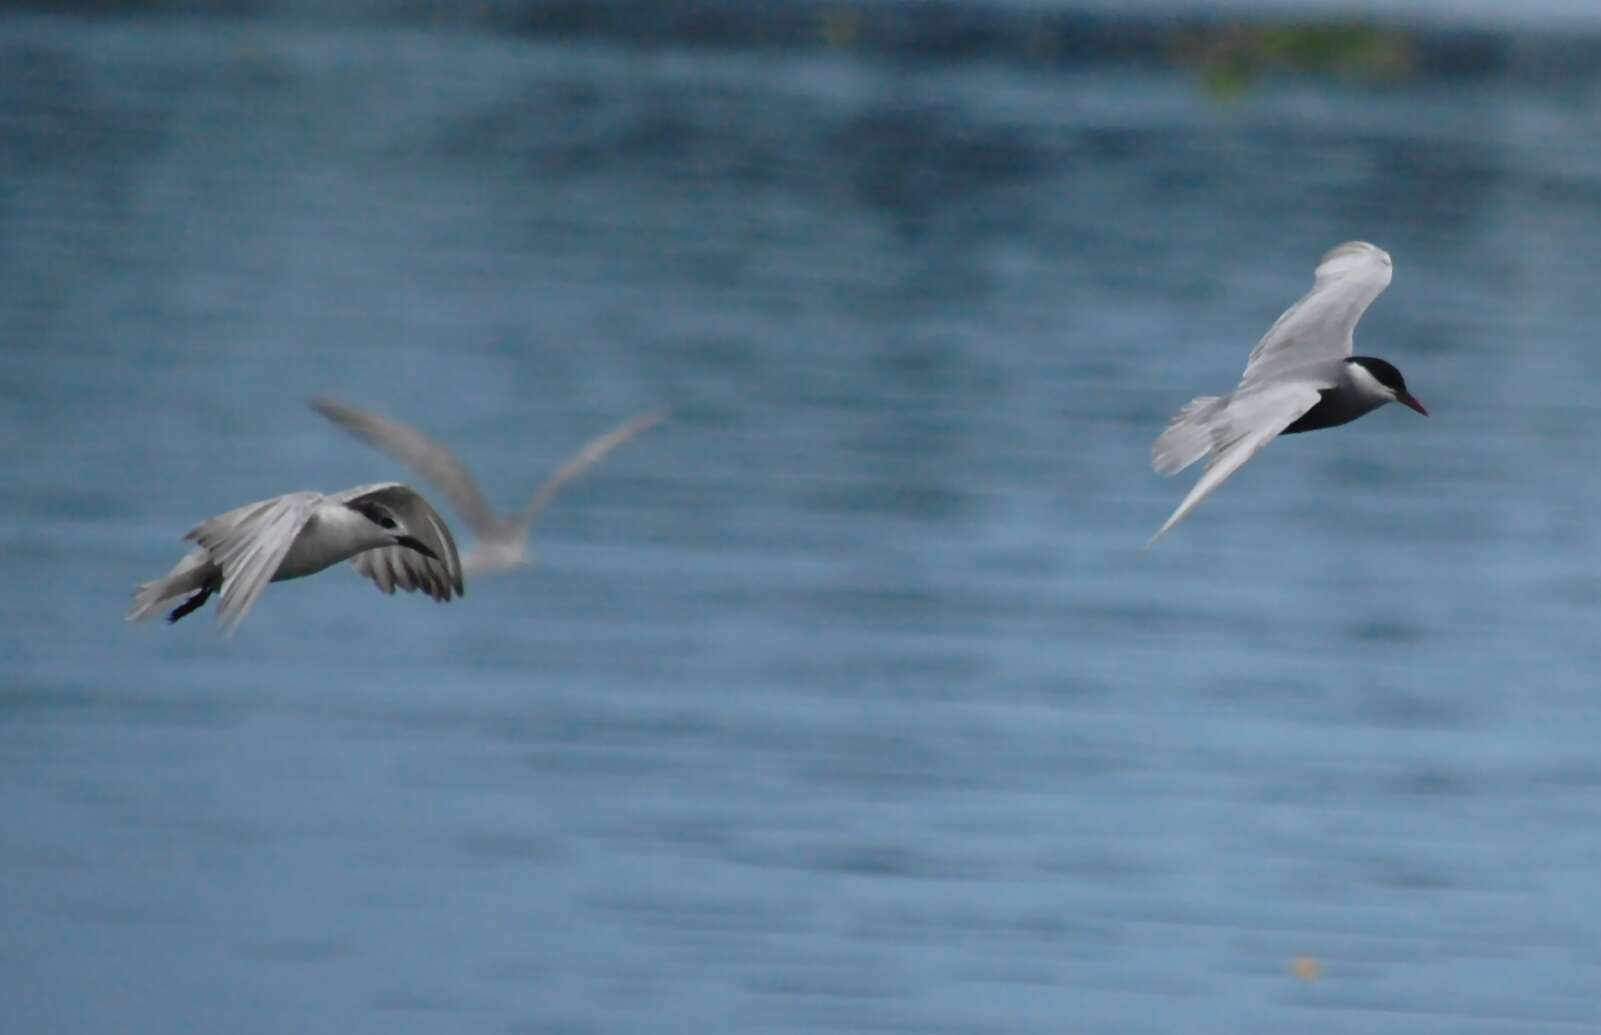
[1407,397]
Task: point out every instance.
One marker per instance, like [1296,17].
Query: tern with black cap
[1301,376]
[387,531]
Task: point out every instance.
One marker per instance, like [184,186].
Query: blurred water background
[848,700]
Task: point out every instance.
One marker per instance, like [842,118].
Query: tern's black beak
[1406,397]
[413,543]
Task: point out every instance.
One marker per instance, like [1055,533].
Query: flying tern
[1301,377]
[501,541]
[388,531]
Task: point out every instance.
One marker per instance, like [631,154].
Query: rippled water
[848,700]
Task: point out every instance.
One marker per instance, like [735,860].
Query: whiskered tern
[388,531]
[1301,377]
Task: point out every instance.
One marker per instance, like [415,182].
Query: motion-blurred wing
[249,543]
[1238,429]
[593,452]
[419,452]
[1318,327]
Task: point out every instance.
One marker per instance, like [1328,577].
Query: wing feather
[592,453]
[1188,436]
[377,565]
[392,567]
[249,543]
[1239,429]
[1319,327]
[427,458]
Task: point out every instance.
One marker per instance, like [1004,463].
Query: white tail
[1188,436]
[186,577]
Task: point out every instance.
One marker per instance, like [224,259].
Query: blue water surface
[848,700]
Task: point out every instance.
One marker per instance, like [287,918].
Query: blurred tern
[1301,377]
[388,531]
[501,541]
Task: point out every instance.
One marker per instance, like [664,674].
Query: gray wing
[1318,328]
[392,567]
[592,453]
[422,454]
[249,543]
[1237,430]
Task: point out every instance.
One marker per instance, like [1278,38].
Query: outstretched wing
[400,566]
[249,543]
[419,452]
[1238,430]
[593,452]
[1319,327]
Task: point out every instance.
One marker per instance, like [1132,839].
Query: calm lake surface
[848,700]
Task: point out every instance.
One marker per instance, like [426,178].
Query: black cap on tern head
[375,513]
[1384,373]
